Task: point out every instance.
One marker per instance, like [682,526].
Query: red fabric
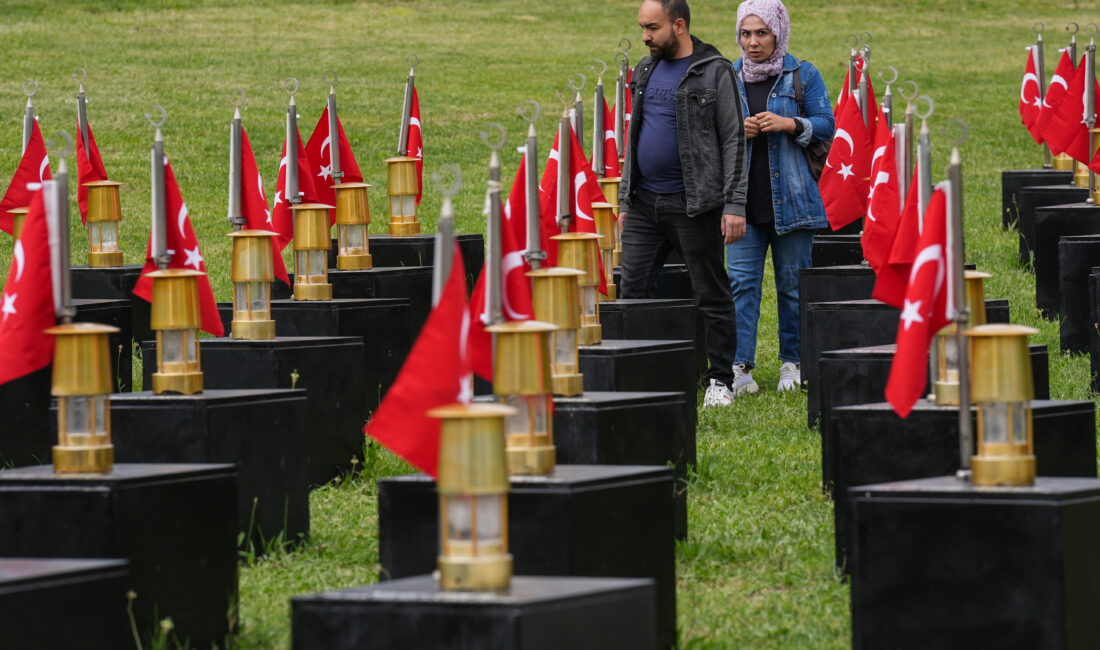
[435,373]
[183,247]
[893,276]
[846,179]
[282,219]
[586,191]
[26,308]
[89,169]
[610,151]
[883,209]
[33,168]
[516,286]
[628,108]
[1067,131]
[843,96]
[319,153]
[254,205]
[1030,104]
[416,144]
[1059,84]
[924,311]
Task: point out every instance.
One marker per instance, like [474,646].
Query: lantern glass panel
[475,520]
[351,237]
[1004,422]
[85,418]
[949,358]
[530,418]
[395,206]
[318,264]
[172,344]
[408,205]
[565,352]
[588,295]
[240,300]
[108,236]
[258,293]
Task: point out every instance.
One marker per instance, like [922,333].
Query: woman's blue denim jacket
[795,197]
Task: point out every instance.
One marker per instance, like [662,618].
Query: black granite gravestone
[1032,198]
[582,520]
[46,603]
[419,250]
[1013,180]
[673,281]
[116,283]
[25,430]
[937,563]
[263,432]
[655,319]
[536,613]
[114,312]
[1076,257]
[1094,329]
[176,524]
[836,249]
[869,443]
[1052,223]
[413,283]
[329,367]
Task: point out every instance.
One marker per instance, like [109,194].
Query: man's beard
[665,51]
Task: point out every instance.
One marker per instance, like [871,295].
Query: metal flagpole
[56,195]
[28,113]
[406,106]
[621,90]
[82,107]
[333,129]
[534,254]
[598,126]
[443,257]
[924,161]
[235,218]
[1040,70]
[159,225]
[578,107]
[905,176]
[564,215]
[957,307]
[494,305]
[888,96]
[864,80]
[1090,101]
[293,197]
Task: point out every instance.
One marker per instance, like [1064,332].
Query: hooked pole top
[449,191]
[575,87]
[964,131]
[927,114]
[237,102]
[525,114]
[909,97]
[33,88]
[413,60]
[80,74]
[331,84]
[501,137]
[890,80]
[155,123]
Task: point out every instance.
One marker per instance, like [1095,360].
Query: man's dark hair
[677,9]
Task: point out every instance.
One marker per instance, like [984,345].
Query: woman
[784,206]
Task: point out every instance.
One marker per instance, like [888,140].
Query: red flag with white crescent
[282,219]
[893,274]
[319,152]
[89,169]
[1059,84]
[26,304]
[845,181]
[1030,104]
[416,143]
[610,151]
[1068,131]
[883,207]
[34,167]
[254,205]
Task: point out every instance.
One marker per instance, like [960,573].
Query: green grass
[757,569]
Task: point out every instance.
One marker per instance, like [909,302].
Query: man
[684,181]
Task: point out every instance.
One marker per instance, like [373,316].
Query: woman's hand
[752,128]
[770,122]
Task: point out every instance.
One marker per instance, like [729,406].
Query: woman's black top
[758,203]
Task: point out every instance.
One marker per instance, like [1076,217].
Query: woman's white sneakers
[742,380]
[790,377]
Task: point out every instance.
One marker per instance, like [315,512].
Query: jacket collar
[701,53]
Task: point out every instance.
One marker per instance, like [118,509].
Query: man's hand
[621,221]
[733,227]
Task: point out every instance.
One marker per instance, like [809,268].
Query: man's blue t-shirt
[658,154]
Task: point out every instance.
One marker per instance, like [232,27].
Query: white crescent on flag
[42,168]
[1030,76]
[325,143]
[509,263]
[20,260]
[878,153]
[882,177]
[933,253]
[181,219]
[843,135]
[578,183]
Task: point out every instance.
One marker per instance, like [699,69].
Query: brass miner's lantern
[581,251]
[104,217]
[311,245]
[19,217]
[252,274]
[945,354]
[610,187]
[81,383]
[352,219]
[554,294]
[177,317]
[402,187]
[604,214]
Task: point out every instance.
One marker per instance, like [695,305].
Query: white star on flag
[846,171]
[911,313]
[193,257]
[278,200]
[325,171]
[9,305]
[419,153]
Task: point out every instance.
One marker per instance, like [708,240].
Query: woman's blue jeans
[745,264]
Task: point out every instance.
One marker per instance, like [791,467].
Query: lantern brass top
[604,205]
[576,235]
[348,186]
[611,179]
[23,210]
[82,328]
[175,273]
[522,327]
[400,159]
[312,206]
[103,184]
[252,233]
[471,411]
[973,275]
[553,271]
[1001,329]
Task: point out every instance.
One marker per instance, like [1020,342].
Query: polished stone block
[1031,199]
[1051,224]
[382,323]
[1076,257]
[330,368]
[419,250]
[1094,330]
[837,249]
[263,432]
[1012,180]
[655,318]
[25,431]
[413,283]
[176,524]
[87,596]
[536,613]
[673,281]
[582,520]
[869,443]
[116,283]
[115,312]
[938,563]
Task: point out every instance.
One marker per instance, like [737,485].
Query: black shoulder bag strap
[817,152]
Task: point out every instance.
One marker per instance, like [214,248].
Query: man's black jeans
[655,225]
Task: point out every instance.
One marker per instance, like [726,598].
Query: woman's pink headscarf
[775,16]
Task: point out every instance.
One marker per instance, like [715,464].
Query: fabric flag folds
[282,219]
[416,144]
[1030,104]
[33,168]
[883,209]
[183,248]
[435,373]
[845,180]
[893,275]
[319,151]
[1067,131]
[610,152]
[924,311]
[89,169]
[1059,84]
[254,208]
[26,304]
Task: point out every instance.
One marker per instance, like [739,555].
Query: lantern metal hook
[290,84]
[584,80]
[883,77]
[415,60]
[34,88]
[523,112]
[909,97]
[1076,27]
[60,152]
[83,75]
[931,107]
[601,72]
[964,131]
[502,136]
[324,77]
[456,184]
[625,49]
[238,102]
[1039,27]
[163,116]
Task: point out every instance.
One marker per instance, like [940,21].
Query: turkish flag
[89,169]
[435,373]
[27,307]
[515,285]
[628,107]
[416,144]
[925,308]
[1059,84]
[845,181]
[183,247]
[1067,131]
[585,191]
[33,168]
[893,275]
[1030,104]
[282,219]
[254,208]
[319,152]
[610,151]
[842,97]
[883,209]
